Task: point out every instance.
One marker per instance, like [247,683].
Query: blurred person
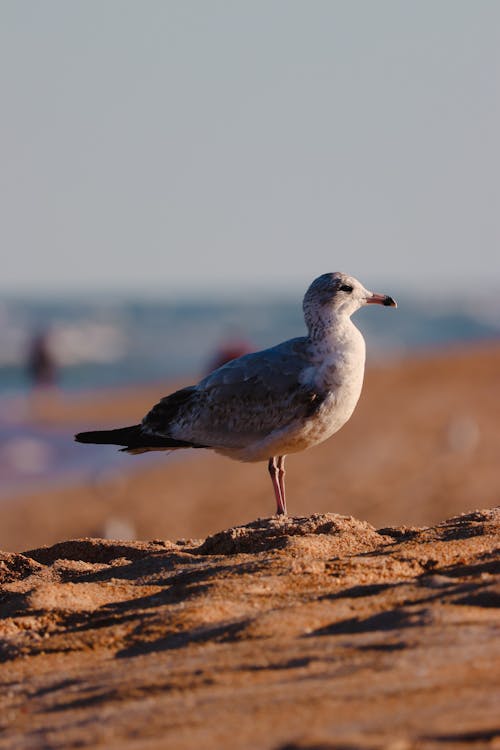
[41,363]
[42,370]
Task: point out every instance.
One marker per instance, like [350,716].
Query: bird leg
[276,471]
[281,480]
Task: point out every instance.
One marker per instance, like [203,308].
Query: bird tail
[134,439]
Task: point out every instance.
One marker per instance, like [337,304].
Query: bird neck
[330,328]
[338,353]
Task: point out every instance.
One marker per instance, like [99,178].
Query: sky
[217,146]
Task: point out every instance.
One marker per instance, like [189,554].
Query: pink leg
[281,480]
[274,472]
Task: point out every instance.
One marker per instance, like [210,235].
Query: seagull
[267,404]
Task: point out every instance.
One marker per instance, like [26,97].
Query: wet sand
[422,445]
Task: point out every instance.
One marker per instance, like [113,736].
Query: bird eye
[346,288]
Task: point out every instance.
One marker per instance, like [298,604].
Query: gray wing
[245,399]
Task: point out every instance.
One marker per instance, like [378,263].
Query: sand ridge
[308,632]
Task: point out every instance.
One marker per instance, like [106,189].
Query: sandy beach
[374,629]
[421,446]
[314,633]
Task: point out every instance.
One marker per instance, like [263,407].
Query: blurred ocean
[104,343]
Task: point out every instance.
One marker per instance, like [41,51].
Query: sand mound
[329,532]
[316,632]
[95,551]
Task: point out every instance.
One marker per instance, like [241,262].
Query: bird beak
[381,299]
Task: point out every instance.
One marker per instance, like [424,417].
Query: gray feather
[247,398]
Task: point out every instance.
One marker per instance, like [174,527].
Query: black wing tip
[133,439]
[83,437]
[121,436]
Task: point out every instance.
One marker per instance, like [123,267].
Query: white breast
[336,373]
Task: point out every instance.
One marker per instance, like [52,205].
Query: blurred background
[174,175]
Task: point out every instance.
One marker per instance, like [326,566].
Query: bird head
[336,295]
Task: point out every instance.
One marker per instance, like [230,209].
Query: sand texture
[311,633]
